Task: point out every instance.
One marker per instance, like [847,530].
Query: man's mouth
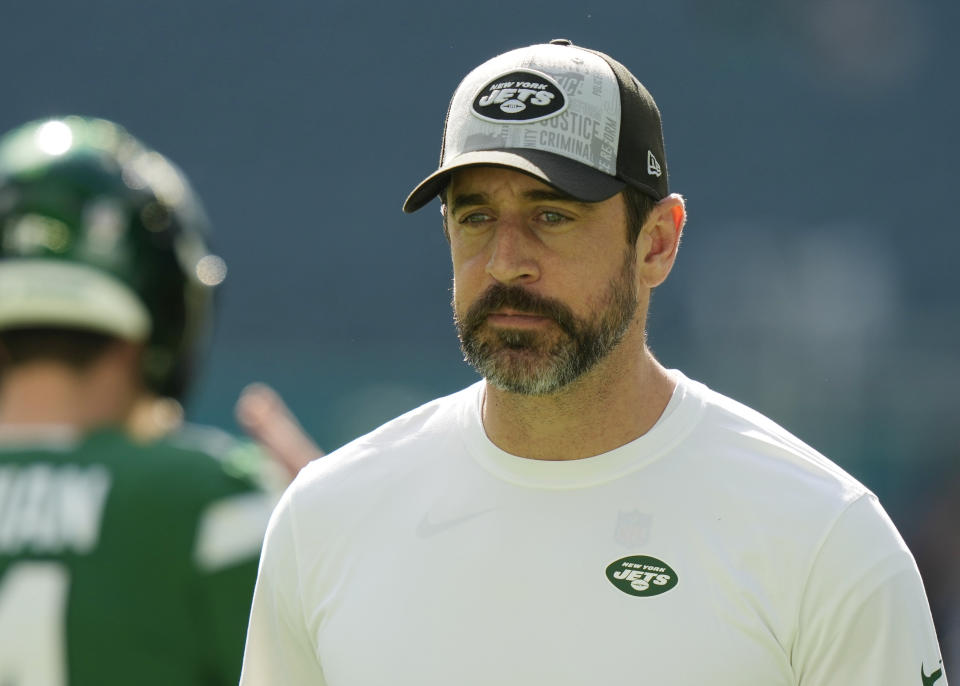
[516,318]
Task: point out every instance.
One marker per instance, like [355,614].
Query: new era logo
[653,166]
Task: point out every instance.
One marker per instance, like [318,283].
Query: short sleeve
[864,619]
[278,648]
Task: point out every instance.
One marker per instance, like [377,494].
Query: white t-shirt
[715,549]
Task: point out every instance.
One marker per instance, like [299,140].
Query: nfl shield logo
[633,528]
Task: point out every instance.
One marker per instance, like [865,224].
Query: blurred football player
[128,550]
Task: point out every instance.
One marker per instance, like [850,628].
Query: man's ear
[446,226]
[659,240]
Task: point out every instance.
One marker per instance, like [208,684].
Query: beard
[543,362]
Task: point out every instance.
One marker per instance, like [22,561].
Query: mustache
[500,296]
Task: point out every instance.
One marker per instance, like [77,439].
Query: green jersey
[124,563]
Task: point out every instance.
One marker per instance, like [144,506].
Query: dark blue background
[816,143]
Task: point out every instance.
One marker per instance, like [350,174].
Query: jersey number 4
[33,600]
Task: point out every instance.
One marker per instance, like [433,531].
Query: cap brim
[574,178]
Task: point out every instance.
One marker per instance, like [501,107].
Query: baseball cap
[575,118]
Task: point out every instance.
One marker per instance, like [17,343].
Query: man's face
[544,285]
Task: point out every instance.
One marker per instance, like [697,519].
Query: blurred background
[816,143]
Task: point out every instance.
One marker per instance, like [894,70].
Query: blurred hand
[264,416]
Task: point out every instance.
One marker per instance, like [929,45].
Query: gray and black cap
[575,118]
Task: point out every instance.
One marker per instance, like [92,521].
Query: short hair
[638,206]
[76,348]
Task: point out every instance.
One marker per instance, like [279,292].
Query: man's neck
[613,404]
[47,394]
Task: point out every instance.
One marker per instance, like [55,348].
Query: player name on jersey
[47,508]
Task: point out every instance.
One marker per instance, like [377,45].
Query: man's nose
[513,253]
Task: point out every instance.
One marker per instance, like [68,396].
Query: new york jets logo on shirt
[641,575]
[520,97]
[932,679]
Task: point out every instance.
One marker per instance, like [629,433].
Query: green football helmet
[99,232]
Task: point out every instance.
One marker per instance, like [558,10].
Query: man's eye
[475,218]
[553,218]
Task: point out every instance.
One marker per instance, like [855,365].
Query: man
[122,560]
[582,515]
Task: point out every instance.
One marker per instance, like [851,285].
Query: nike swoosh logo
[427,527]
[929,680]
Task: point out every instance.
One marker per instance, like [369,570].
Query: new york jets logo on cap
[519,96]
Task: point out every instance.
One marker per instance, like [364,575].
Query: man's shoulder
[422,423]
[200,465]
[759,481]
[395,446]
[747,443]
[192,485]
[336,492]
